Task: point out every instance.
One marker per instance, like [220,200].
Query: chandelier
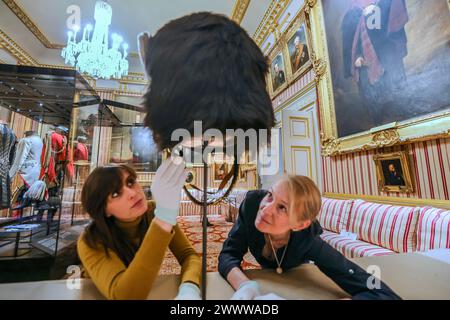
[92,54]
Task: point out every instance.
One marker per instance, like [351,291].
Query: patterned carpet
[192,227]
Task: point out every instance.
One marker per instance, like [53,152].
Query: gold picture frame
[277,57]
[220,170]
[298,29]
[427,127]
[394,172]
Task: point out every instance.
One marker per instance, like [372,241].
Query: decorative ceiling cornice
[268,22]
[134,55]
[239,10]
[36,31]
[31,25]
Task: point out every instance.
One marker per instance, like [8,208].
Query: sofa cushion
[333,214]
[353,248]
[433,229]
[391,227]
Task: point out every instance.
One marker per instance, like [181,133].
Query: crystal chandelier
[92,54]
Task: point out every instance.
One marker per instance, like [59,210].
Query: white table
[410,275]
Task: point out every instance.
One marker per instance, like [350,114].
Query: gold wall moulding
[309,5]
[239,10]
[295,97]
[427,127]
[116,92]
[409,202]
[24,58]
[281,47]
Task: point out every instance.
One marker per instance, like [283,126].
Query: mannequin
[81,152]
[27,159]
[7,149]
[55,158]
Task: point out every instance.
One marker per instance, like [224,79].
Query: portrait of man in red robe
[387,60]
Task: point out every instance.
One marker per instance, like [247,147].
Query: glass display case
[106,132]
[38,102]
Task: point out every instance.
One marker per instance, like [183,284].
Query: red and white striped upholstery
[391,227]
[353,248]
[433,230]
[333,214]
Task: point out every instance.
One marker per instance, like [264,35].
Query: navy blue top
[304,246]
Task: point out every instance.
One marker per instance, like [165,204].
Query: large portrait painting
[389,59]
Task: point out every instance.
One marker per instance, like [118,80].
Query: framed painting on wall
[277,74]
[298,47]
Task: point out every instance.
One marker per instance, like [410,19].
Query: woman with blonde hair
[280,229]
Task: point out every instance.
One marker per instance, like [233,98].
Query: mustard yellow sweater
[116,281]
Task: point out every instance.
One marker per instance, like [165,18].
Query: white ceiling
[129,19]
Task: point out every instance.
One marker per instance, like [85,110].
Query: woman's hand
[166,190]
[248,290]
[188,291]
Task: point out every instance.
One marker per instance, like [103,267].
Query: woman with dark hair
[280,229]
[124,246]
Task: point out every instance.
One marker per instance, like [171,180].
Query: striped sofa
[382,229]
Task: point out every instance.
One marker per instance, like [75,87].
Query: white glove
[166,190]
[188,291]
[248,290]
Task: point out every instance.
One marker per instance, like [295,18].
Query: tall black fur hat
[204,67]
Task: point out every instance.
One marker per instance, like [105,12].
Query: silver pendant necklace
[279,269]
